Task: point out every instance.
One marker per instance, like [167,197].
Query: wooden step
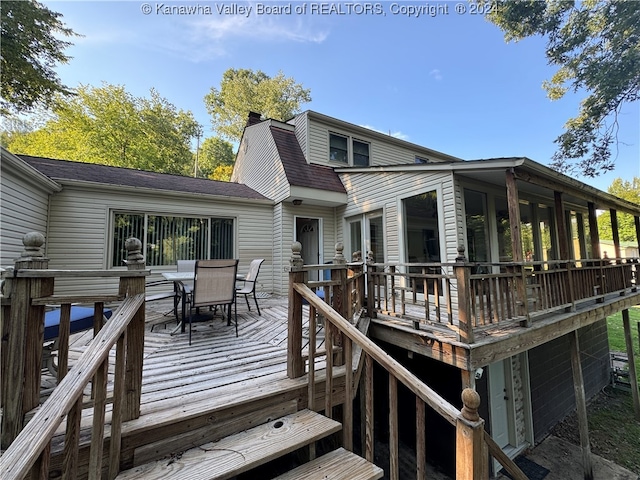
[240,452]
[339,464]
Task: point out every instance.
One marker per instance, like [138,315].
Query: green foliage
[213,153]
[627,190]
[109,126]
[596,45]
[31,47]
[242,91]
[222,173]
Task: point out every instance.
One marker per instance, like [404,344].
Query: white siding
[382,151]
[368,192]
[258,163]
[23,208]
[80,229]
[301,123]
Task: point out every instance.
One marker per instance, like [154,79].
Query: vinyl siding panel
[258,164]
[24,208]
[301,123]
[385,190]
[380,151]
[80,227]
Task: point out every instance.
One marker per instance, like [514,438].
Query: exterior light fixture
[297,202]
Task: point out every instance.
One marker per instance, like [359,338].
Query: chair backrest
[254,268]
[186,265]
[214,282]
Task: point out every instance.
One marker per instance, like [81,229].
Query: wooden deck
[215,386]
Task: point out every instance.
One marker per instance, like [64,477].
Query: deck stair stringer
[241,451]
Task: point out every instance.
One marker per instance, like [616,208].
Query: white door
[499,404]
[308,234]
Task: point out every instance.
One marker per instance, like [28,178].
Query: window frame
[206,242]
[350,152]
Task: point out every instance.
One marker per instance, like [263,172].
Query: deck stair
[244,451]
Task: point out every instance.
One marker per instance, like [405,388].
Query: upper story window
[348,150]
[360,153]
[338,148]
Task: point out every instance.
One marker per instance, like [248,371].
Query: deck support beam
[633,376]
[581,404]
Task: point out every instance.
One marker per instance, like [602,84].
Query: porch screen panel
[126,225]
[222,238]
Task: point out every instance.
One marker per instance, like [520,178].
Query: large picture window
[168,239]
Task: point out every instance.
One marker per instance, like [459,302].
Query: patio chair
[214,285]
[249,286]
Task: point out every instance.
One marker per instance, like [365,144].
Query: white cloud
[436,74]
[396,134]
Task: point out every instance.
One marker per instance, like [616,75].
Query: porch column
[561,222]
[637,222]
[581,404]
[593,231]
[614,232]
[513,203]
[295,362]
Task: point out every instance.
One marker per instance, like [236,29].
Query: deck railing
[466,296]
[26,293]
[342,339]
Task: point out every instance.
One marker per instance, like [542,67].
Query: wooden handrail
[424,394]
[413,383]
[46,273]
[23,453]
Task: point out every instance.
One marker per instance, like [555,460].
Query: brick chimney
[254,118]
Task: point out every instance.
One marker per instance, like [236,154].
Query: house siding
[79,234]
[24,208]
[258,165]
[385,190]
[316,145]
[301,123]
[552,395]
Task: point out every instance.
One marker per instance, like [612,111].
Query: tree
[109,126]
[242,91]
[30,50]
[595,44]
[627,190]
[214,153]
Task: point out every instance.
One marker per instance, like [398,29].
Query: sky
[433,73]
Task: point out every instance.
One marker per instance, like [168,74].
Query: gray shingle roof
[296,168]
[104,174]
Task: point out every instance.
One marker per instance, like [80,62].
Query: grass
[615,330]
[614,433]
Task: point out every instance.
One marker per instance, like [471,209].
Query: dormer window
[338,148]
[360,154]
[348,150]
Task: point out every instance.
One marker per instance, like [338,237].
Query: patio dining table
[178,279]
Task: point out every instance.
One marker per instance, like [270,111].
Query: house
[412,211]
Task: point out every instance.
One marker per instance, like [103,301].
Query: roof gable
[297,170]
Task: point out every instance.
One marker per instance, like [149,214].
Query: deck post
[633,378]
[371,285]
[462,272]
[471,449]
[22,337]
[339,300]
[615,233]
[581,404]
[594,234]
[135,332]
[295,363]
